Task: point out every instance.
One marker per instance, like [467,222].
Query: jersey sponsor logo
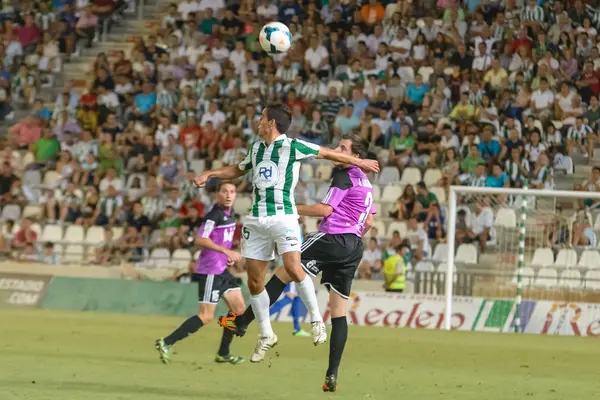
[267,174]
[228,235]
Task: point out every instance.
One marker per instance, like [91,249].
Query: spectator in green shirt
[593,112]
[206,26]
[470,162]
[47,147]
[401,146]
[170,224]
[427,204]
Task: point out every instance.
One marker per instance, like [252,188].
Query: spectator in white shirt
[371,261]
[236,154]
[481,224]
[316,57]
[216,5]
[542,101]
[214,115]
[163,132]
[418,239]
[186,7]
[375,38]
[267,10]
[111,180]
[401,46]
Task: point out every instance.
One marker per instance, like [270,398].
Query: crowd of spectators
[491,93]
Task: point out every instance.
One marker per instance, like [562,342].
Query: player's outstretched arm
[336,156]
[315,210]
[228,172]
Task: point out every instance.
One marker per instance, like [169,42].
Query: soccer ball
[275,38]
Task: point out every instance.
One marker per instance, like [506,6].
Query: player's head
[353,145]
[226,194]
[275,120]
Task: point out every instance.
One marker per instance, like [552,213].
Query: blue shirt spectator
[145,100]
[416,91]
[497,179]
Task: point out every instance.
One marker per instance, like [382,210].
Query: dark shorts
[212,287]
[336,256]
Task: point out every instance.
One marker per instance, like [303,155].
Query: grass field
[48,355]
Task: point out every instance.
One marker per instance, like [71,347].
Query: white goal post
[457,192]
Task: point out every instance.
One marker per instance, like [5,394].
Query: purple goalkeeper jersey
[219,227]
[351,197]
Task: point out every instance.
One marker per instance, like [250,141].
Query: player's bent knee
[255,284]
[283,275]
[206,317]
[291,262]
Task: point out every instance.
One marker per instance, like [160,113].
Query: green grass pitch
[51,355]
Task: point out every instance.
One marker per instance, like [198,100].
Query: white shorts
[260,235]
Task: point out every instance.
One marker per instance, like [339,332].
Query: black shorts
[212,287]
[337,256]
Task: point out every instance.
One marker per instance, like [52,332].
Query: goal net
[527,258]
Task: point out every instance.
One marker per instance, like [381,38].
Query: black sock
[339,334]
[274,289]
[225,342]
[189,326]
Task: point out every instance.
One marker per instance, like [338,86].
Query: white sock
[260,306]
[306,291]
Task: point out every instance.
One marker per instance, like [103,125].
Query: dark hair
[359,145]
[223,183]
[282,116]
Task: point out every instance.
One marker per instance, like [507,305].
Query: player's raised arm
[229,172]
[336,156]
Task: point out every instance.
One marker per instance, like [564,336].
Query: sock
[306,291]
[339,334]
[260,306]
[296,308]
[189,326]
[225,342]
[274,288]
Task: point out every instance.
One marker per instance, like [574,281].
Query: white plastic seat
[389,175]
[74,234]
[74,253]
[410,176]
[432,177]
[117,232]
[52,233]
[570,278]
[380,226]
[243,204]
[391,193]
[160,257]
[426,72]
[506,217]
[32,211]
[546,277]
[37,228]
[181,258]
[323,172]
[376,193]
[396,226]
[440,193]
[566,258]
[592,280]
[424,266]
[197,166]
[217,164]
[28,158]
[11,212]
[307,169]
[94,235]
[338,85]
[543,258]
[527,277]
[466,254]
[32,178]
[589,259]
[51,178]
[440,254]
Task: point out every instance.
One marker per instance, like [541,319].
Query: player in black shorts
[335,251]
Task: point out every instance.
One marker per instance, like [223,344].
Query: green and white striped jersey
[275,171]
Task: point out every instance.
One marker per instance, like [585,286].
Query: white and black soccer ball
[275,38]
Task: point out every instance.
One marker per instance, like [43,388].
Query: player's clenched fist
[370,165]
[200,180]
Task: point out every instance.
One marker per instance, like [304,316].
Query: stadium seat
[117,232]
[52,233]
[466,254]
[391,193]
[130,178]
[74,253]
[527,277]
[432,177]
[407,73]
[426,72]
[59,250]
[216,164]
[376,193]
[196,254]
[410,176]
[389,175]
[424,266]
[546,277]
[197,166]
[94,235]
[380,226]
[74,234]
[32,212]
[589,259]
[181,258]
[338,85]
[396,226]
[243,204]
[11,212]
[440,254]
[443,269]
[28,158]
[543,258]
[440,193]
[566,258]
[323,172]
[307,169]
[570,278]
[51,179]
[506,218]
[160,256]
[592,280]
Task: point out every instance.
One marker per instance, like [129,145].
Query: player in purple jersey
[335,250]
[214,280]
